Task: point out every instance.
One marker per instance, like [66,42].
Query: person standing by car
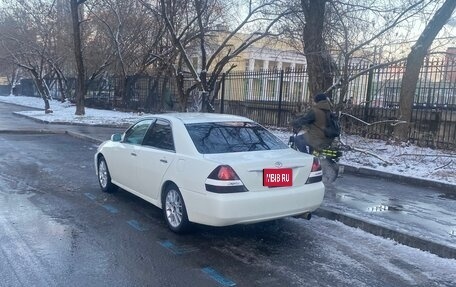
[310,127]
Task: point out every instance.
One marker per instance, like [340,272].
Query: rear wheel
[174,210]
[104,178]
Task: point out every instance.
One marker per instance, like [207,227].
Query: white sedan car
[210,169]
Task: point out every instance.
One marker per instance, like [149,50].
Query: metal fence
[271,97]
[142,93]
[274,97]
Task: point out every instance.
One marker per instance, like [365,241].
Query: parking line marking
[178,250]
[110,208]
[218,277]
[136,225]
[90,196]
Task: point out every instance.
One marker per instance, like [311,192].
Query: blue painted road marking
[218,277]
[110,208]
[178,250]
[90,195]
[136,225]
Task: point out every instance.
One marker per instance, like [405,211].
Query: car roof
[191,118]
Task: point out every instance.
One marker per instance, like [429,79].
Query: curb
[399,178]
[83,137]
[30,131]
[438,249]
[125,125]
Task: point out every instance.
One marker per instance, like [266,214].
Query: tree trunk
[62,86]
[14,83]
[204,92]
[81,88]
[183,95]
[414,62]
[120,91]
[319,62]
[42,89]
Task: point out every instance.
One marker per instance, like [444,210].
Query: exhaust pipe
[306,215]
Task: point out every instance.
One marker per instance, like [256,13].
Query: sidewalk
[420,214]
[416,216]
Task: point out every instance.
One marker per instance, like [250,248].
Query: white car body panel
[250,207]
[147,172]
[121,163]
[249,165]
[152,165]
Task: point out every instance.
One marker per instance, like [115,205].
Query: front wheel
[104,177]
[174,210]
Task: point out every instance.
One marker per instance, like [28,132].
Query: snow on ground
[403,159]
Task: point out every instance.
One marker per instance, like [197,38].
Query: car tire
[174,210]
[104,177]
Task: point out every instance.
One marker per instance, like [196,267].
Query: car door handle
[164,160]
[133,154]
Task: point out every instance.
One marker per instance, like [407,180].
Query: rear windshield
[226,137]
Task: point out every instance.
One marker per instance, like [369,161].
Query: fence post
[280,97]
[222,99]
[368,93]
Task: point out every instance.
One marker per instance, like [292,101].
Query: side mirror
[116,137]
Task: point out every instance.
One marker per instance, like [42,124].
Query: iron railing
[274,97]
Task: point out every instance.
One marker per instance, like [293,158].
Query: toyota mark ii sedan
[211,169]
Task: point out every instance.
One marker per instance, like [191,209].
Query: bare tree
[360,25]
[202,34]
[320,65]
[135,36]
[81,88]
[415,61]
[89,65]
[28,38]
[335,35]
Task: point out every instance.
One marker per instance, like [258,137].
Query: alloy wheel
[174,210]
[103,173]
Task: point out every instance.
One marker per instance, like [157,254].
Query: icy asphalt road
[57,228]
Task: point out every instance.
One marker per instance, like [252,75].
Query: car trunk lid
[249,165]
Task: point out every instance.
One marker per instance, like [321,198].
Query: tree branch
[390,122]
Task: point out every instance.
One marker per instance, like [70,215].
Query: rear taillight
[225,172]
[224,179]
[315,173]
[316,166]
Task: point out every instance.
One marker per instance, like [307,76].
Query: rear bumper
[250,207]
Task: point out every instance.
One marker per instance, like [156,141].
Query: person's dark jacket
[314,122]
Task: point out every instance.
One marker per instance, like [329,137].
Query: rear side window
[226,137]
[160,136]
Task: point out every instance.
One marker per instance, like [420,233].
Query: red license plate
[277,177]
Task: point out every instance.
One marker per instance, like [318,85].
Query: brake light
[316,173]
[226,172]
[224,179]
[316,166]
